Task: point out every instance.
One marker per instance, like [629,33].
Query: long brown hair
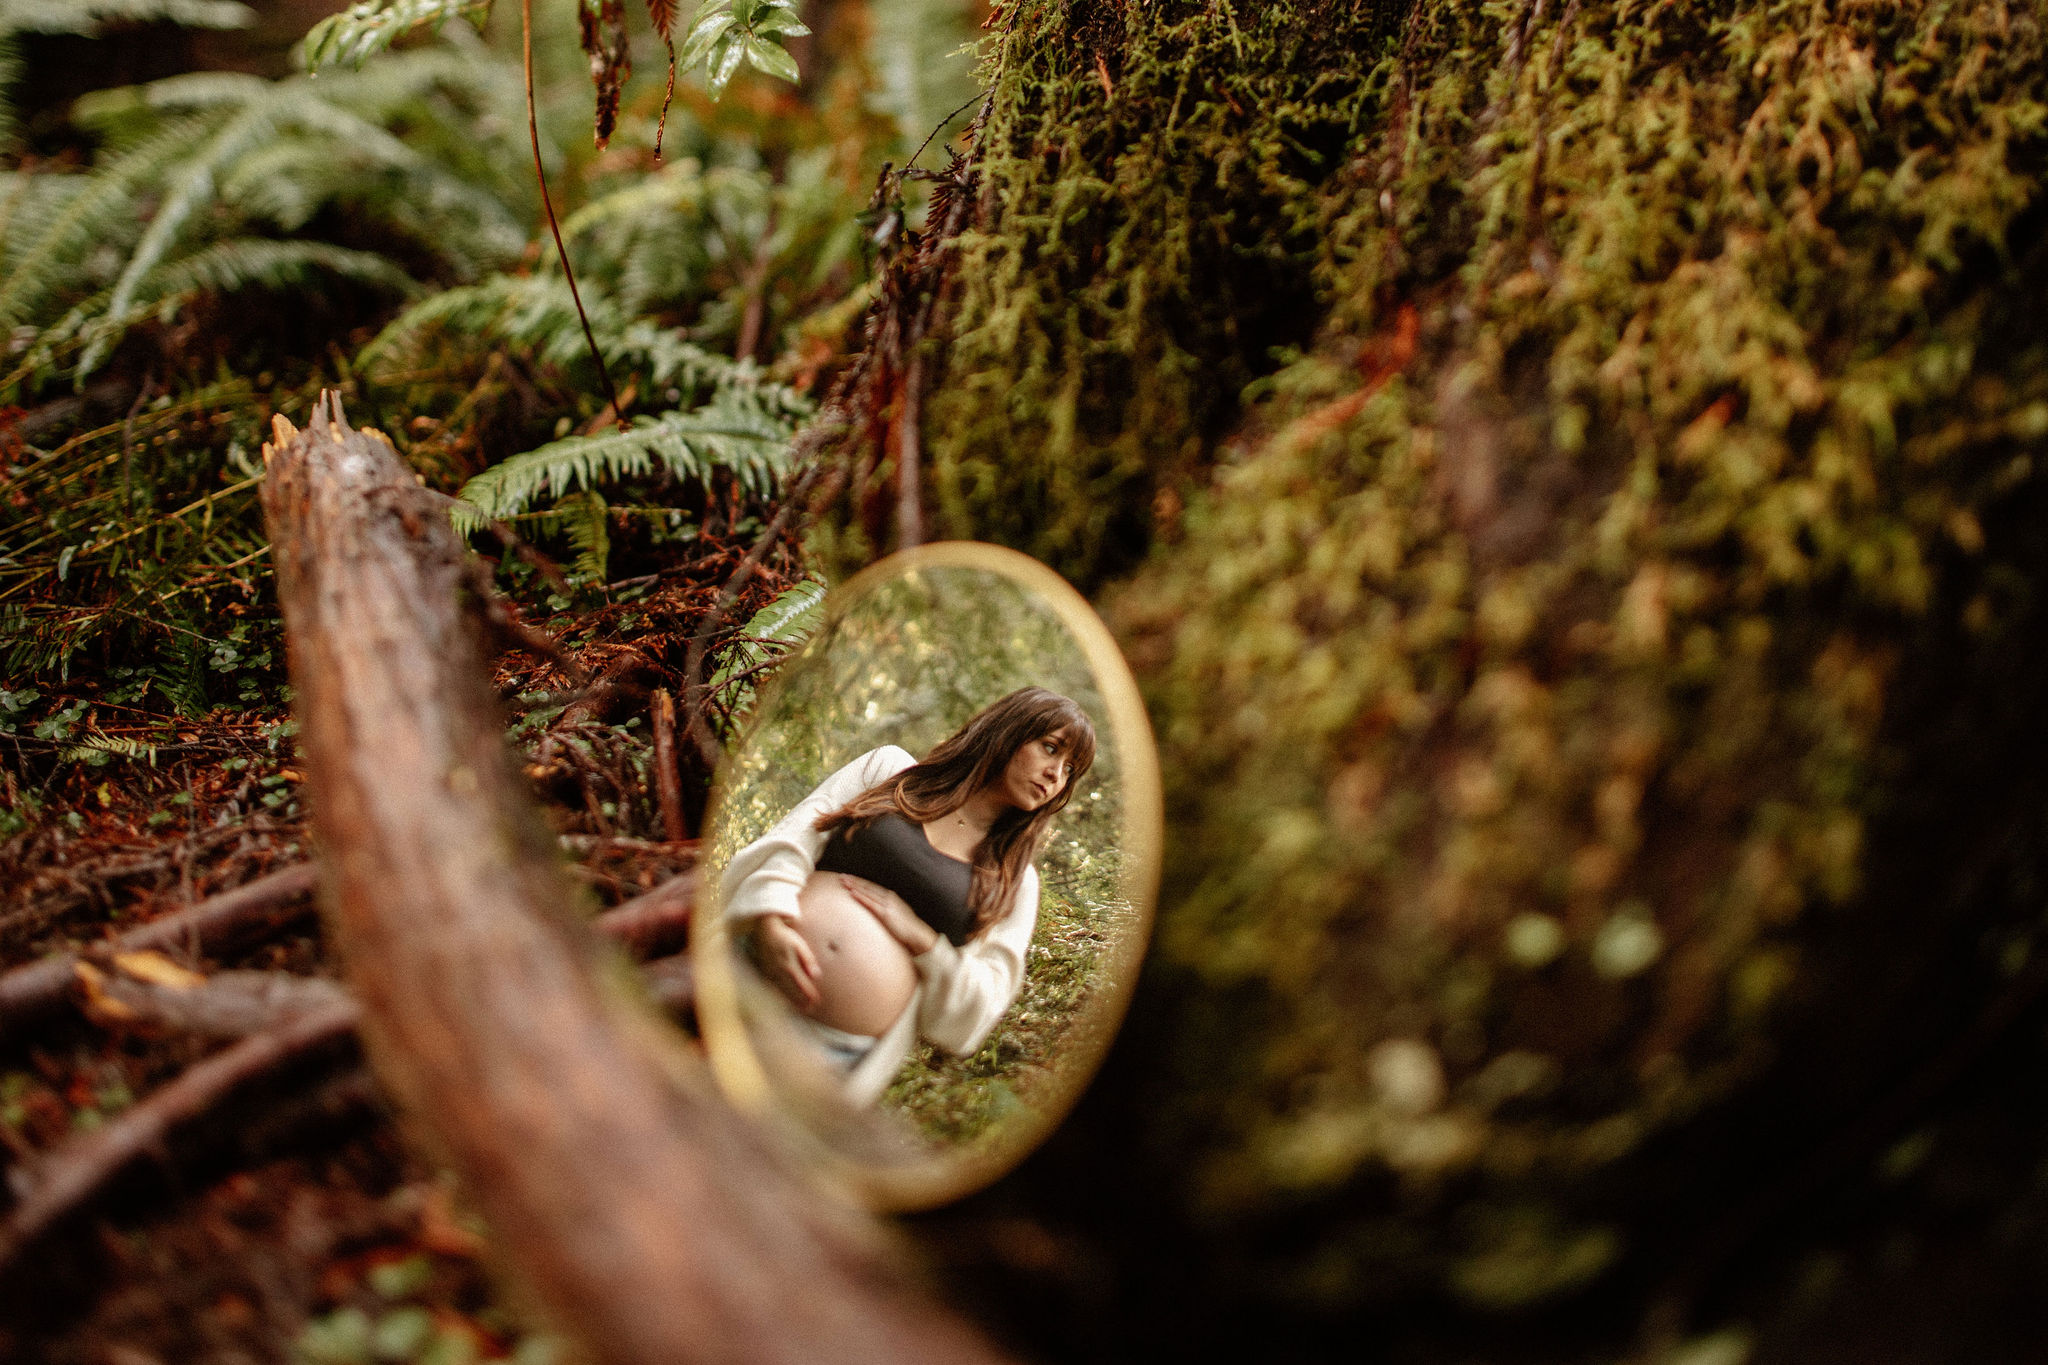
[973,757]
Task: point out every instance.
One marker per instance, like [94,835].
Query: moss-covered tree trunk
[1568,473]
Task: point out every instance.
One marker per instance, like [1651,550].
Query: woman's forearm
[968,989]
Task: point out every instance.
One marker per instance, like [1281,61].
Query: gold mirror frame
[734,1058]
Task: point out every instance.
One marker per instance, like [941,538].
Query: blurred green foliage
[224,245]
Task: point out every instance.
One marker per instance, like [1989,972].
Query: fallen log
[224,1005]
[215,925]
[648,1220]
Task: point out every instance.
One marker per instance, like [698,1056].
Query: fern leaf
[727,433]
[252,124]
[371,26]
[530,310]
[584,519]
[221,268]
[10,72]
[784,623]
[263,263]
[771,633]
[88,17]
[98,748]
[104,199]
[100,109]
[258,121]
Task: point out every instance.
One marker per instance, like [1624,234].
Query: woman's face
[1037,772]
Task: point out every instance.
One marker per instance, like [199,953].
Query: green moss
[1632,533]
[1149,232]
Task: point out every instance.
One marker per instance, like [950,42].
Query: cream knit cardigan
[961,992]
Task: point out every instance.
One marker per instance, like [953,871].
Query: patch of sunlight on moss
[1533,940]
[1626,946]
[1731,1346]
[1530,1262]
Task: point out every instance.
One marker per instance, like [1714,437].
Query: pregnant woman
[898,899]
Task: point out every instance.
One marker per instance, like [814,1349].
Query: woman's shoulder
[865,770]
[886,761]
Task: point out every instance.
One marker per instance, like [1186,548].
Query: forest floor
[963,1101]
[288,1221]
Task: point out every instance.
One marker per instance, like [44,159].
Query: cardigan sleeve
[766,876]
[967,989]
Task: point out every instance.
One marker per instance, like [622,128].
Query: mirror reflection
[927,907]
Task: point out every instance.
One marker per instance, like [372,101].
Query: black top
[891,851]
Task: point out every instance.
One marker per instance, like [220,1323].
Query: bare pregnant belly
[865,976]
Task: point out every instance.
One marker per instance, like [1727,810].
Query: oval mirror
[934,856]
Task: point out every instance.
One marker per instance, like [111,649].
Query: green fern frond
[221,268]
[44,639]
[269,110]
[88,17]
[104,199]
[777,628]
[287,181]
[195,90]
[28,201]
[770,634]
[727,433]
[583,517]
[98,748]
[675,187]
[371,26]
[265,263]
[662,357]
[534,311]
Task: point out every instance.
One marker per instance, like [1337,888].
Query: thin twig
[667,781]
[941,127]
[547,204]
[225,1005]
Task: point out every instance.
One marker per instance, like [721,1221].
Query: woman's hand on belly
[865,977]
[787,961]
[895,915]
